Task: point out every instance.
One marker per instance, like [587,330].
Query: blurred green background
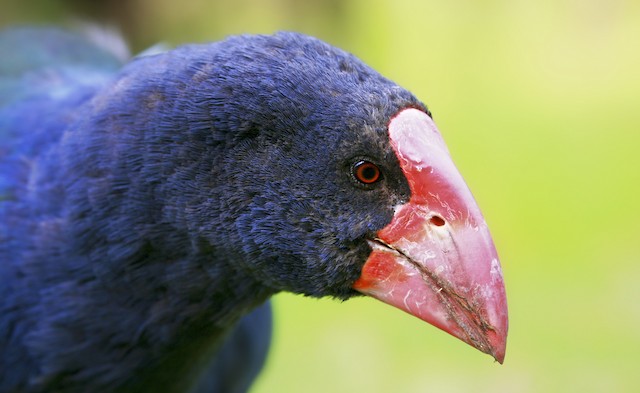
[539,102]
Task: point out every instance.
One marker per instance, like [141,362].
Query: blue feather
[149,210]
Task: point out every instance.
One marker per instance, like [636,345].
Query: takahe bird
[149,210]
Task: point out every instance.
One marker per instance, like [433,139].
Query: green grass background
[539,102]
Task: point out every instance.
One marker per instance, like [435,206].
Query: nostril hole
[437,221]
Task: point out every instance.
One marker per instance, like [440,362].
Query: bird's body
[146,209]
[55,299]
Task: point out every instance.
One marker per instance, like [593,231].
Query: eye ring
[366,172]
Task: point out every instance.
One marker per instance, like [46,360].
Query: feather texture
[146,208]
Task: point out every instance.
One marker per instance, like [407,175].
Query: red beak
[436,259]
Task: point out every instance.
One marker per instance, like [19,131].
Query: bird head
[337,183]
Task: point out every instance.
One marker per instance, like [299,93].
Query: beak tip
[498,340]
[498,352]
[499,356]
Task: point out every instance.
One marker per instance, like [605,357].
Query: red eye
[366,172]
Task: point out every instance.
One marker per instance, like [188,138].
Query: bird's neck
[162,319]
[128,283]
[185,325]
[164,292]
